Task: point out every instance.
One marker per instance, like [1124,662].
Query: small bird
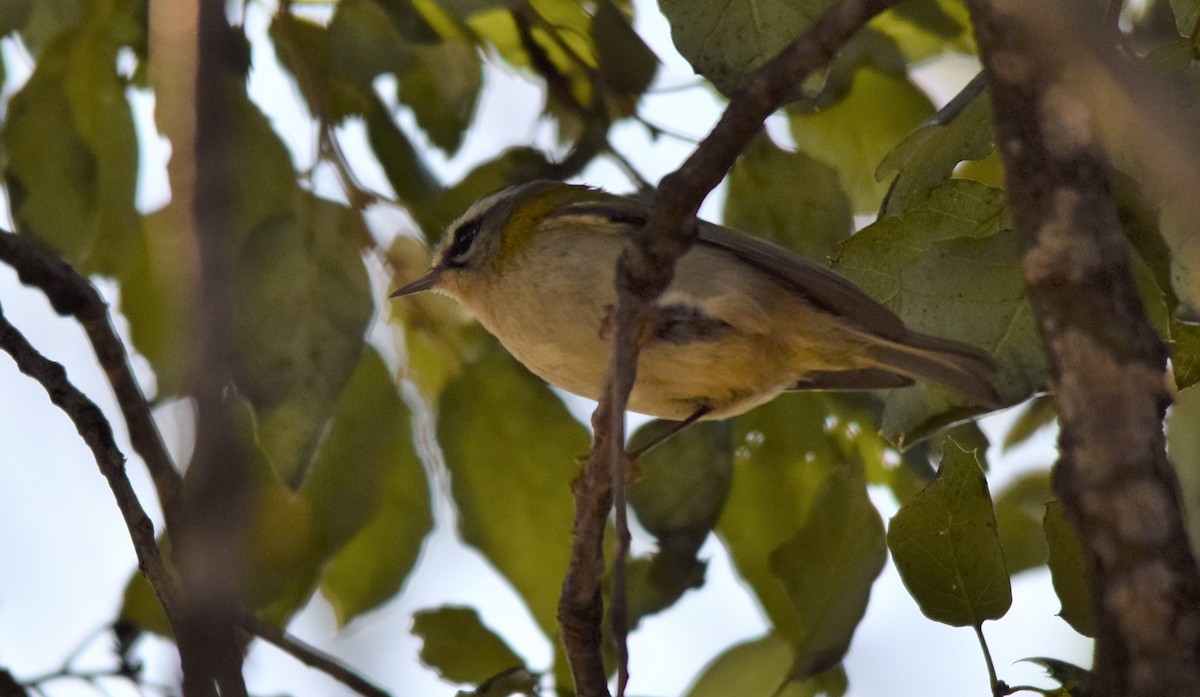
[742,321]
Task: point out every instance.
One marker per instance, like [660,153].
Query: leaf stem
[999,689]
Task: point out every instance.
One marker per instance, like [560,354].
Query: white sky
[68,555]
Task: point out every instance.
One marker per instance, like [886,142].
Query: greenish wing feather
[819,285]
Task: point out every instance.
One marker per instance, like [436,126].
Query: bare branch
[97,433]
[71,295]
[310,656]
[643,273]
[1108,366]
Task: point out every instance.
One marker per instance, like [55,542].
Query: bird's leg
[657,440]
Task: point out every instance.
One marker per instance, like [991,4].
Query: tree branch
[643,272]
[309,656]
[1107,368]
[71,295]
[97,434]
[211,544]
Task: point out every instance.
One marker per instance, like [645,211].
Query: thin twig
[71,295]
[643,273]
[309,655]
[97,434]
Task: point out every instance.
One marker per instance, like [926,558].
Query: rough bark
[1108,371]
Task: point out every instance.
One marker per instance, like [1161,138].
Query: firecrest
[742,321]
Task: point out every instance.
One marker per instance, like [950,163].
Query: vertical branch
[216,498]
[1107,366]
[643,273]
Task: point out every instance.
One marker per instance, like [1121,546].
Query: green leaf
[72,154]
[457,645]
[1068,570]
[925,28]
[369,440]
[759,668]
[441,85]
[1187,15]
[1073,678]
[949,268]
[926,157]
[627,65]
[515,681]
[788,198]
[373,566]
[828,568]
[1039,412]
[726,42]
[510,446]
[415,186]
[1019,510]
[946,547]
[293,365]
[683,486]
[855,134]
[47,20]
[363,43]
[1185,353]
[13,15]
[790,477]
[1183,446]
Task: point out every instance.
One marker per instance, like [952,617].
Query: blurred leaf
[373,566]
[1019,511]
[946,547]
[962,130]
[369,441]
[1068,570]
[855,134]
[441,85]
[432,323]
[1187,15]
[279,559]
[828,568]
[1185,353]
[786,453]
[515,681]
[46,20]
[510,446]
[925,28]
[414,185]
[412,23]
[627,65]
[363,43]
[788,198]
[13,15]
[727,42]
[1039,412]
[293,364]
[759,668]
[1183,446]
[72,153]
[457,645]
[683,486]
[158,306]
[1069,675]
[949,268]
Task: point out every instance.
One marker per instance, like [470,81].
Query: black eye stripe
[464,236]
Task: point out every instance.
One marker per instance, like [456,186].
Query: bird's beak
[425,282]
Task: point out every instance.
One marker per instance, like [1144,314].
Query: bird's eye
[461,244]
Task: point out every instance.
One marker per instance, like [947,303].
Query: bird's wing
[818,285]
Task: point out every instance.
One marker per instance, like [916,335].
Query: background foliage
[341,387]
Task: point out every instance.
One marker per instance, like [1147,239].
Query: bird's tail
[958,366]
